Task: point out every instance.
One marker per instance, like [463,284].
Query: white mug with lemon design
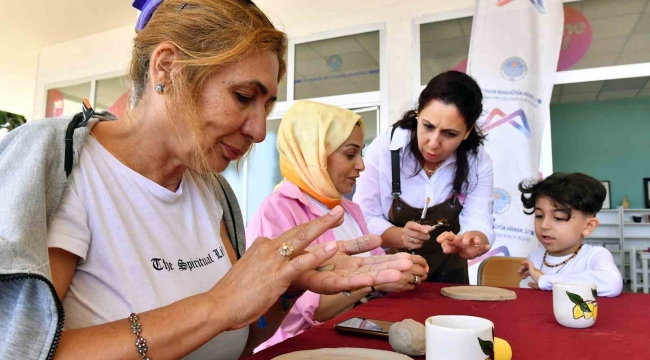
[575,305]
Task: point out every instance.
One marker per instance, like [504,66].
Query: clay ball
[407,337]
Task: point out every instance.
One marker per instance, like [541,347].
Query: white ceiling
[33,24]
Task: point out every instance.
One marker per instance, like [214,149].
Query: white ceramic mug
[575,305]
[456,337]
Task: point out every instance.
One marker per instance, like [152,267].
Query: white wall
[102,55]
[18,80]
[107,54]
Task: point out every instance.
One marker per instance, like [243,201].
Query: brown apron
[444,268]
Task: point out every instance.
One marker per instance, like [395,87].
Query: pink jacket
[284,209]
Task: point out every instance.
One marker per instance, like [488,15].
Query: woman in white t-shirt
[140,228]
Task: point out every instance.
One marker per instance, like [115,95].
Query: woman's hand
[344,272]
[414,235]
[466,245]
[257,280]
[407,282]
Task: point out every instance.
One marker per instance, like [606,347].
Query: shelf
[637,237]
[632,223]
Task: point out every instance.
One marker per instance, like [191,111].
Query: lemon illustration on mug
[584,308]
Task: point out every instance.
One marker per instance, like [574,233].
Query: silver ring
[416,279]
[346,293]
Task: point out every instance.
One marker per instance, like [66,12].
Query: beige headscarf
[308,134]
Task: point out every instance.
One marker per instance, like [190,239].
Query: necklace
[431,172]
[563,262]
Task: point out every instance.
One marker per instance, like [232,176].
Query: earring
[159,88]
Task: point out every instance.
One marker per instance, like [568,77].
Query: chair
[500,271]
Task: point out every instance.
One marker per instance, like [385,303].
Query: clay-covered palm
[344,272]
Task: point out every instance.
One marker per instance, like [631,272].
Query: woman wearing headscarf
[320,158]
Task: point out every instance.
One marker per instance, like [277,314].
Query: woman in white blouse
[435,153]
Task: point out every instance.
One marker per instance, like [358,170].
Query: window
[597,33]
[282,89]
[109,91]
[338,66]
[66,100]
[444,45]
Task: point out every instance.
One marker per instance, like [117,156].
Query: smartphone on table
[363,326]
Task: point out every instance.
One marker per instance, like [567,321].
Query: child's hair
[568,192]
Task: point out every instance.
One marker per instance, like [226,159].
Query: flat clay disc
[342,353]
[478,293]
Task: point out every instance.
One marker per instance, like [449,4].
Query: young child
[565,208]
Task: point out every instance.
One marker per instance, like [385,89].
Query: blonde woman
[137,219]
[320,158]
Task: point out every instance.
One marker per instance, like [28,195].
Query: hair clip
[183,5]
[147,8]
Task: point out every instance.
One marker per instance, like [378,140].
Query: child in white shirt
[565,208]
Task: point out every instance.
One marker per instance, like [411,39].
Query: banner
[513,56]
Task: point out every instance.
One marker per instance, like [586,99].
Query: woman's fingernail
[331,246]
[337,210]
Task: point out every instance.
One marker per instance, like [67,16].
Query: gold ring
[286,249]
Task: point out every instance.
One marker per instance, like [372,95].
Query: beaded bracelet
[140,342]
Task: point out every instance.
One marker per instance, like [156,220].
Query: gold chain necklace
[431,172]
[563,262]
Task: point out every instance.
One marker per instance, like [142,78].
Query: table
[527,323]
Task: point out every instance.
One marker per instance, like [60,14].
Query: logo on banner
[576,38]
[334,62]
[501,201]
[517,119]
[514,69]
[537,4]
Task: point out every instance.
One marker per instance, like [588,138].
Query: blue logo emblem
[539,6]
[514,69]
[334,62]
[501,201]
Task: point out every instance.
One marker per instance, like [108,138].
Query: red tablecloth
[621,332]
